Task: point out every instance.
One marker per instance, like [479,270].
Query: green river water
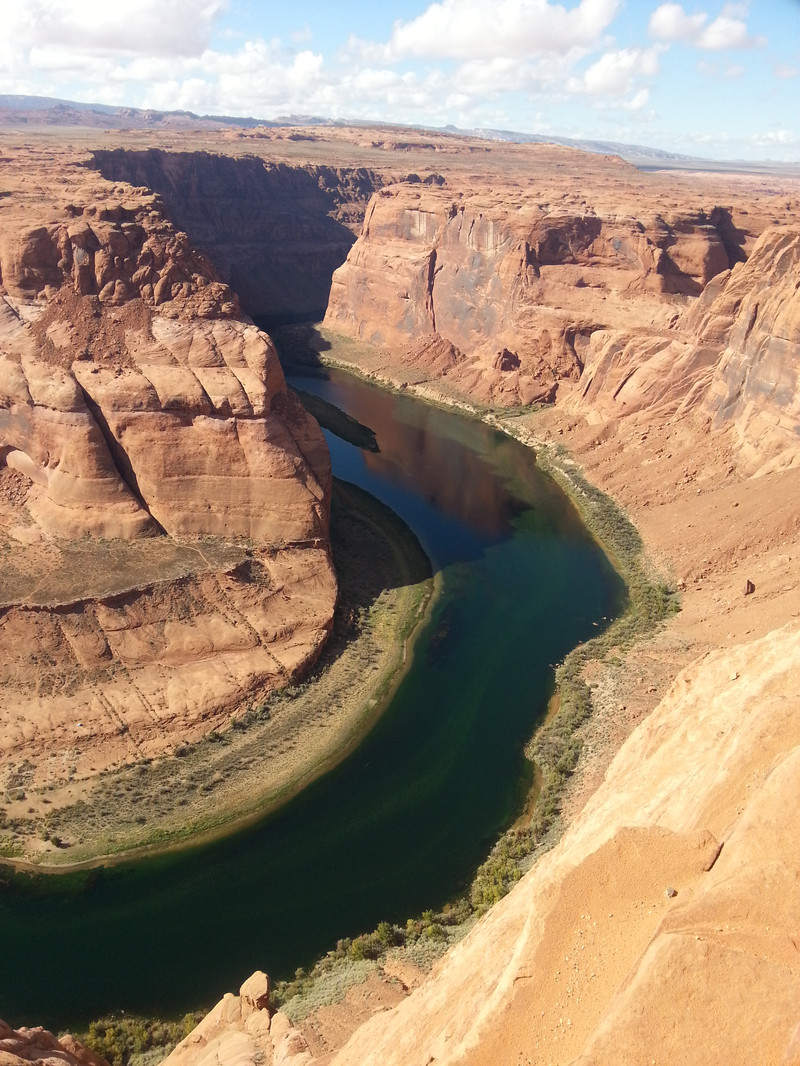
[400,825]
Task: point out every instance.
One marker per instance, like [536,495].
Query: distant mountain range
[627,151]
[16,111]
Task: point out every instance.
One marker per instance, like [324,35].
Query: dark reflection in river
[400,825]
[455,481]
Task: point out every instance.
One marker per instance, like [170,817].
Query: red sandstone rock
[480,270]
[138,405]
[20,1047]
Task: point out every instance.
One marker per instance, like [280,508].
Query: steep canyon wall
[164,500]
[275,233]
[144,414]
[514,299]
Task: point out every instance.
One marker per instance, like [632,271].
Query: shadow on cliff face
[299,345]
[274,233]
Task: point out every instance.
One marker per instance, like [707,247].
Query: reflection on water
[458,483]
[400,825]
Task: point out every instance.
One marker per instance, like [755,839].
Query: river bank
[269,752]
[554,751]
[676,496]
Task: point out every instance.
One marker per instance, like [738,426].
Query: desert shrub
[121,1039]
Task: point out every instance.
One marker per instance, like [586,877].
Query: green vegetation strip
[124,1040]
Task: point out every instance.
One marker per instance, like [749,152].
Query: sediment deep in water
[401,824]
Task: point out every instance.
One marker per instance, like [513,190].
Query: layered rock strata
[275,233]
[147,439]
[500,295]
[732,357]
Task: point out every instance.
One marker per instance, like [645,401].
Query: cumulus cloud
[150,27]
[615,73]
[473,29]
[160,55]
[669,22]
[460,61]
[775,138]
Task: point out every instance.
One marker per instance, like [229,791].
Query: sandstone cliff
[164,498]
[733,356]
[500,293]
[275,233]
[663,927]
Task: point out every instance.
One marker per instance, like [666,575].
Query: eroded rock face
[20,1047]
[733,357]
[485,274]
[242,1030]
[276,233]
[590,959]
[138,405]
[755,388]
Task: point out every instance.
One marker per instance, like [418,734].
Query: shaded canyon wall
[275,233]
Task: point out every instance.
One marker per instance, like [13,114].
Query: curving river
[398,827]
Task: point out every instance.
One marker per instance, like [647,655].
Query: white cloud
[615,73]
[773,138]
[669,22]
[473,29]
[147,27]
[726,32]
[638,101]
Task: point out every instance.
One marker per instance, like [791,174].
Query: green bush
[120,1039]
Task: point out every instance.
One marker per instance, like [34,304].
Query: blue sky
[720,80]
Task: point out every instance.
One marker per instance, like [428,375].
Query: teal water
[398,827]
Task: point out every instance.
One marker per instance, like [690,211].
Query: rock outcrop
[733,357]
[514,287]
[592,959]
[242,1029]
[164,497]
[756,384]
[275,233]
[22,1047]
